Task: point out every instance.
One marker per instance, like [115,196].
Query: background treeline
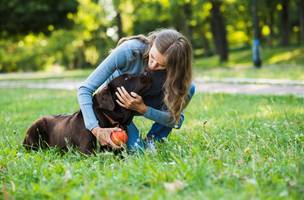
[39,34]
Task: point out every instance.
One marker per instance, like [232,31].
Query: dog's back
[60,131]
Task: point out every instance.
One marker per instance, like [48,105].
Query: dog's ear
[104,99]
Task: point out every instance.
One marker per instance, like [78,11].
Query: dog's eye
[126,78]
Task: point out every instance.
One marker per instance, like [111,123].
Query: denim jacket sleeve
[117,60]
[164,117]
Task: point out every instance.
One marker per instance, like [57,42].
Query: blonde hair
[178,52]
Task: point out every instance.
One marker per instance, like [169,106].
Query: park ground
[231,146]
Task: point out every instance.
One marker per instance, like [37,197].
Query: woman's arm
[118,59]
[163,117]
[135,102]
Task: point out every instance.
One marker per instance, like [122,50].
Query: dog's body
[64,130]
[60,131]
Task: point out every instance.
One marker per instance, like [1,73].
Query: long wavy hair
[178,53]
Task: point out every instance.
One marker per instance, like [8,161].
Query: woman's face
[157,61]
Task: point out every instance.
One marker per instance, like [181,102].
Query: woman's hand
[103,135]
[130,101]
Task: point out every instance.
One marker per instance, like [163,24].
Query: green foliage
[35,52]
[17,16]
[24,55]
[82,46]
[250,148]
[78,34]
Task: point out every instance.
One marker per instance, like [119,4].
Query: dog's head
[132,83]
[139,84]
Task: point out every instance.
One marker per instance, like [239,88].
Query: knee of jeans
[192,90]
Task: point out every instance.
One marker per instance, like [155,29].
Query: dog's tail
[36,135]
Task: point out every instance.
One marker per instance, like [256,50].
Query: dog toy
[119,137]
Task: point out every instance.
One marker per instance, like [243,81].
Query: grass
[278,63]
[250,148]
[45,76]
[292,72]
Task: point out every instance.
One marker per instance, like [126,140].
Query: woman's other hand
[131,101]
[103,135]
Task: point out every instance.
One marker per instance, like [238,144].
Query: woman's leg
[158,131]
[134,143]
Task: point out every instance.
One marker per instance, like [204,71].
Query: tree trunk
[256,36]
[206,46]
[270,19]
[118,20]
[271,23]
[301,12]
[119,25]
[218,29]
[187,9]
[285,23]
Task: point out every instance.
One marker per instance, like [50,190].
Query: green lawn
[45,76]
[279,71]
[250,148]
[278,63]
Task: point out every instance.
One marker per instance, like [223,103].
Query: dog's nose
[146,74]
[145,77]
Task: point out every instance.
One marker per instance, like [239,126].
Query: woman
[166,52]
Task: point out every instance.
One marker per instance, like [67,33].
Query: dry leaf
[174,186]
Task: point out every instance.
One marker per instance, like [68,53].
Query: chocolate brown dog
[64,130]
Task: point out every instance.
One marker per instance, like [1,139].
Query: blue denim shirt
[126,58]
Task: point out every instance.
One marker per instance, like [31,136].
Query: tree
[269,15]
[187,9]
[301,16]
[118,18]
[17,16]
[219,30]
[285,23]
[149,15]
[181,16]
[256,38]
[200,26]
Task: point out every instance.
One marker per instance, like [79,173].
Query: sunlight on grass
[283,71]
[250,147]
[286,56]
[73,74]
[278,63]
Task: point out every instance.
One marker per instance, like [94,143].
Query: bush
[83,46]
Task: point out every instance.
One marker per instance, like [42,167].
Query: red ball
[119,137]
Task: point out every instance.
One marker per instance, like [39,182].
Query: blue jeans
[157,132]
